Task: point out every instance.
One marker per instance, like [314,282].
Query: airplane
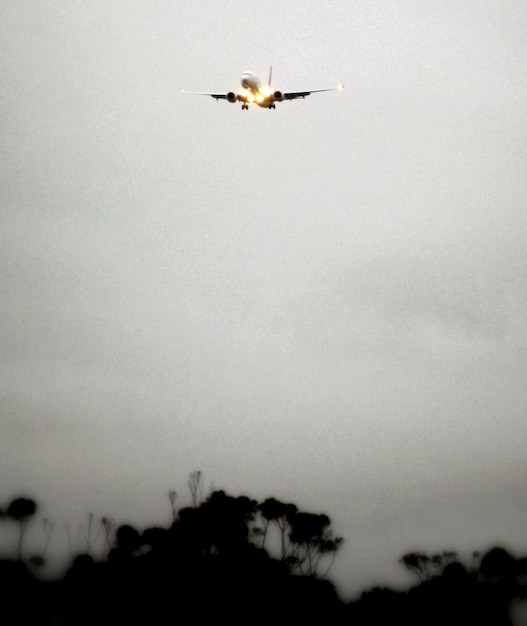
[253,91]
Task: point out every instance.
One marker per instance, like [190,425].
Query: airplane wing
[292,95]
[218,96]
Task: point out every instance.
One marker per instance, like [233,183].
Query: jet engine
[278,96]
[231,96]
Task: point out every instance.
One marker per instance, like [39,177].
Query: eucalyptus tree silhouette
[311,539]
[449,593]
[424,566]
[218,526]
[278,513]
[20,510]
[305,538]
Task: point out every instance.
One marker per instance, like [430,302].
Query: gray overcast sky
[325,302]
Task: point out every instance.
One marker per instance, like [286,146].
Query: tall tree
[278,513]
[21,510]
[305,538]
[312,539]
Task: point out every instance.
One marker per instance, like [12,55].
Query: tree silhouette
[128,539]
[497,564]
[311,539]
[195,485]
[20,510]
[172,496]
[48,527]
[244,557]
[88,534]
[108,527]
[418,564]
[218,526]
[305,538]
[278,513]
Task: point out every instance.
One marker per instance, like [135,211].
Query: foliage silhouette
[215,561]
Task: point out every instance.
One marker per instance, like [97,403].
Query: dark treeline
[233,558]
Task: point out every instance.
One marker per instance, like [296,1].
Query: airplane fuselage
[250,81]
[255,92]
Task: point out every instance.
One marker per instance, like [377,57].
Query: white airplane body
[253,91]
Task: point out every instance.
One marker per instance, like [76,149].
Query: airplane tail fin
[270,75]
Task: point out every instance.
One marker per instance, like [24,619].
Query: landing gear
[245,106]
[272,106]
